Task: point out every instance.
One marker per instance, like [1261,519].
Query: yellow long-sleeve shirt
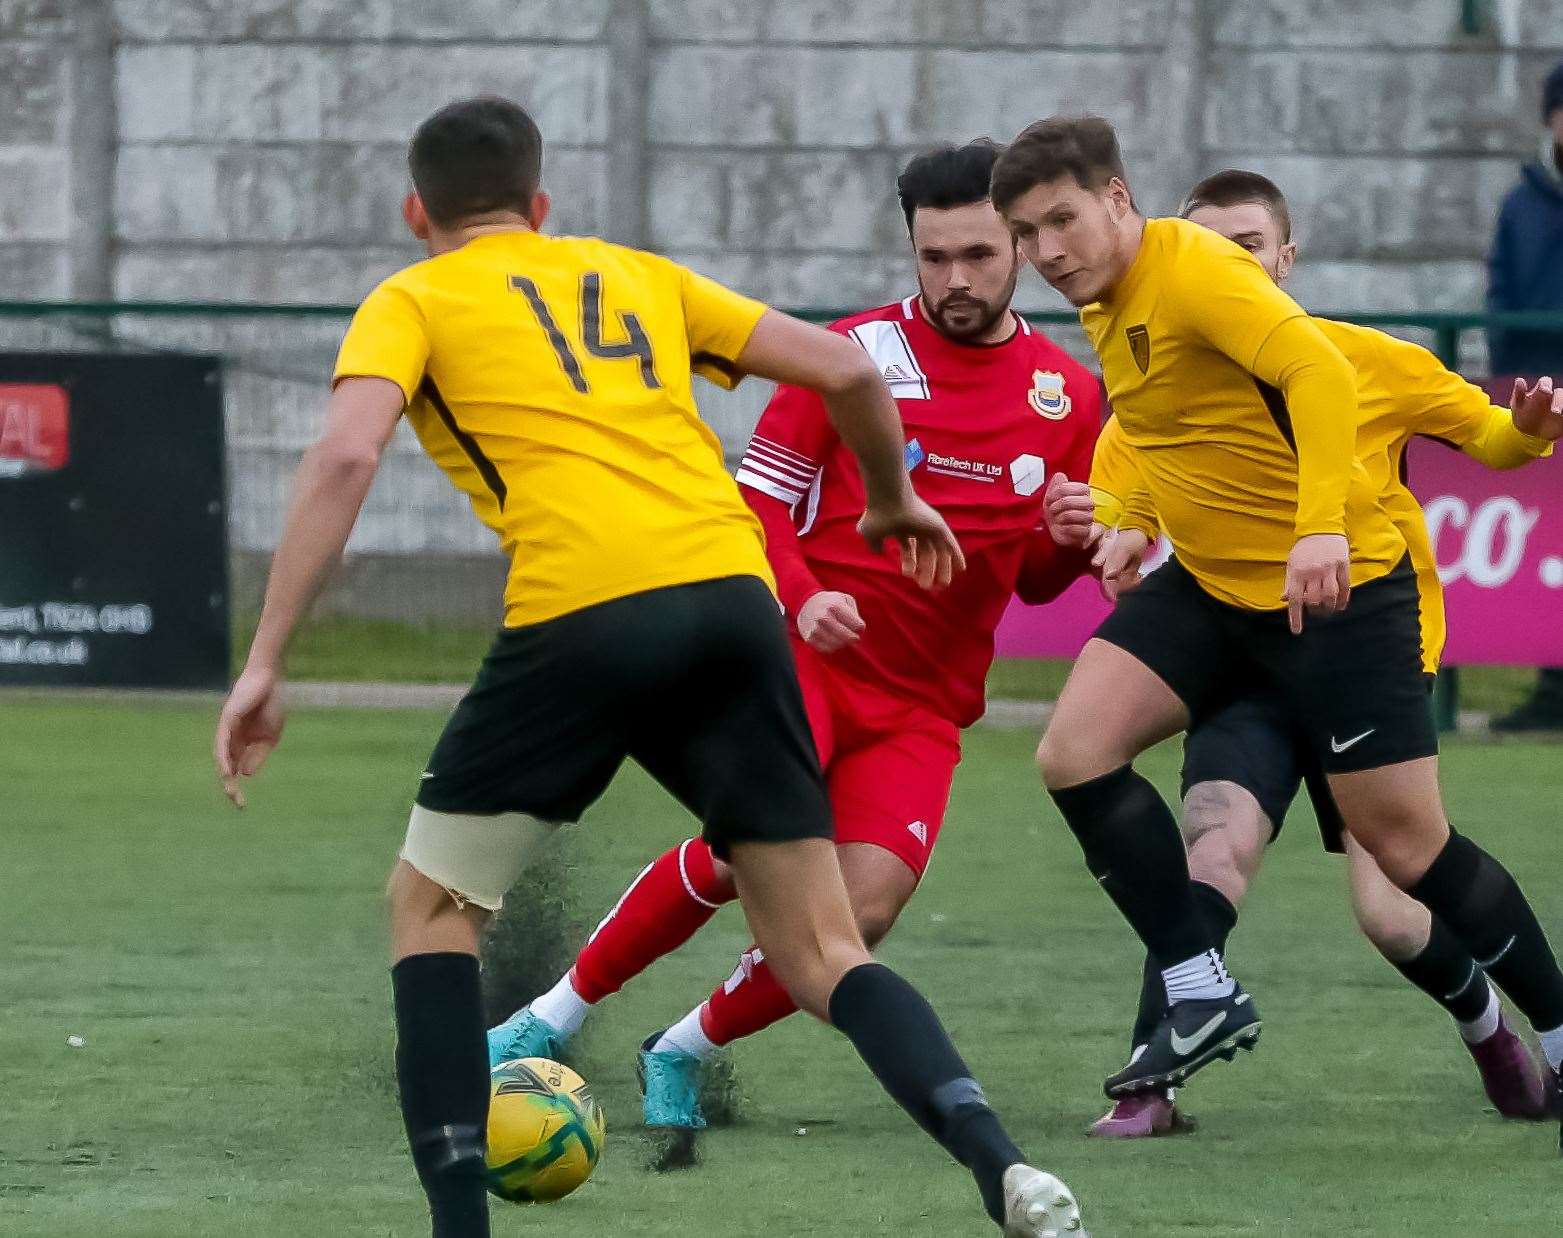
[1243,414]
[1402,390]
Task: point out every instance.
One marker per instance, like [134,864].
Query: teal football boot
[670,1086]
[523,1034]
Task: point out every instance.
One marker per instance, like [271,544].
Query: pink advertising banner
[1499,538]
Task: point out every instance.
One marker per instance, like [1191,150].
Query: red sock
[663,908]
[751,1000]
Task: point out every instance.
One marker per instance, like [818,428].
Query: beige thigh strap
[476,858]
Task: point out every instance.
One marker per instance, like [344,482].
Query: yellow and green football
[545,1131]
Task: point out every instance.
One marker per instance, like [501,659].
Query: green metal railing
[1447,329]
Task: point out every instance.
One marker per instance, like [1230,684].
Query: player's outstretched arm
[1538,410]
[1437,402]
[864,414]
[332,481]
[1508,438]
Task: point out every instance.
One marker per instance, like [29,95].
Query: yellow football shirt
[1402,390]
[1241,414]
[550,378]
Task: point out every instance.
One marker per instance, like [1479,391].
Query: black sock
[1447,973]
[1220,919]
[898,1035]
[1153,1004]
[442,1072]
[1485,909]
[1133,848]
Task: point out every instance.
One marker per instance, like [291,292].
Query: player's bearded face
[967,266]
[1072,236]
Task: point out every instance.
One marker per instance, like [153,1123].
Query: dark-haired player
[550,379]
[890,674]
[1244,418]
[1244,764]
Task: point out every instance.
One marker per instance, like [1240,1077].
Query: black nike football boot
[1189,1037]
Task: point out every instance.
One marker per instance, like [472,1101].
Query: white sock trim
[1552,1046]
[1485,1025]
[1201,978]
[562,1008]
[689,886]
[686,1036]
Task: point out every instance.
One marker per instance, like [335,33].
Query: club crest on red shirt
[1047,395]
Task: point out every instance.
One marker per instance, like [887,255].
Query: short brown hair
[1084,147]
[1235,187]
[476,156]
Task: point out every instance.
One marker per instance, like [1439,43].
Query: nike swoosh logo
[1339,748]
[1185,1045]
[1507,946]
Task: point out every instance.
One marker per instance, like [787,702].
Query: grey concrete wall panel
[255,151]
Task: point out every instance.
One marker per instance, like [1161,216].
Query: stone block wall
[262,144]
[252,150]
[257,144]
[35,147]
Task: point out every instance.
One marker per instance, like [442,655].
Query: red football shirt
[986,425]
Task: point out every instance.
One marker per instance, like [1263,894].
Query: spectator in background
[1525,272]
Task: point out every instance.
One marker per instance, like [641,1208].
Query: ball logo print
[1027,473]
[545,1131]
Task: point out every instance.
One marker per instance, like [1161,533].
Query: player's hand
[248,729]
[829,621]
[1069,511]
[1119,557]
[929,551]
[1318,577]
[1538,410]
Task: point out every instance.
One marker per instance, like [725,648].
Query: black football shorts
[1352,683]
[1253,743]
[694,682]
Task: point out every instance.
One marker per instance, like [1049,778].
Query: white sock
[686,1036]
[1483,1025]
[562,1008]
[1552,1046]
[1201,978]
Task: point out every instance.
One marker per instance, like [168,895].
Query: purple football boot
[1141,1115]
[1513,1082]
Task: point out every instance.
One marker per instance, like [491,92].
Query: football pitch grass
[227,973]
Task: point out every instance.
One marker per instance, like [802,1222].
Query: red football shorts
[888,763]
